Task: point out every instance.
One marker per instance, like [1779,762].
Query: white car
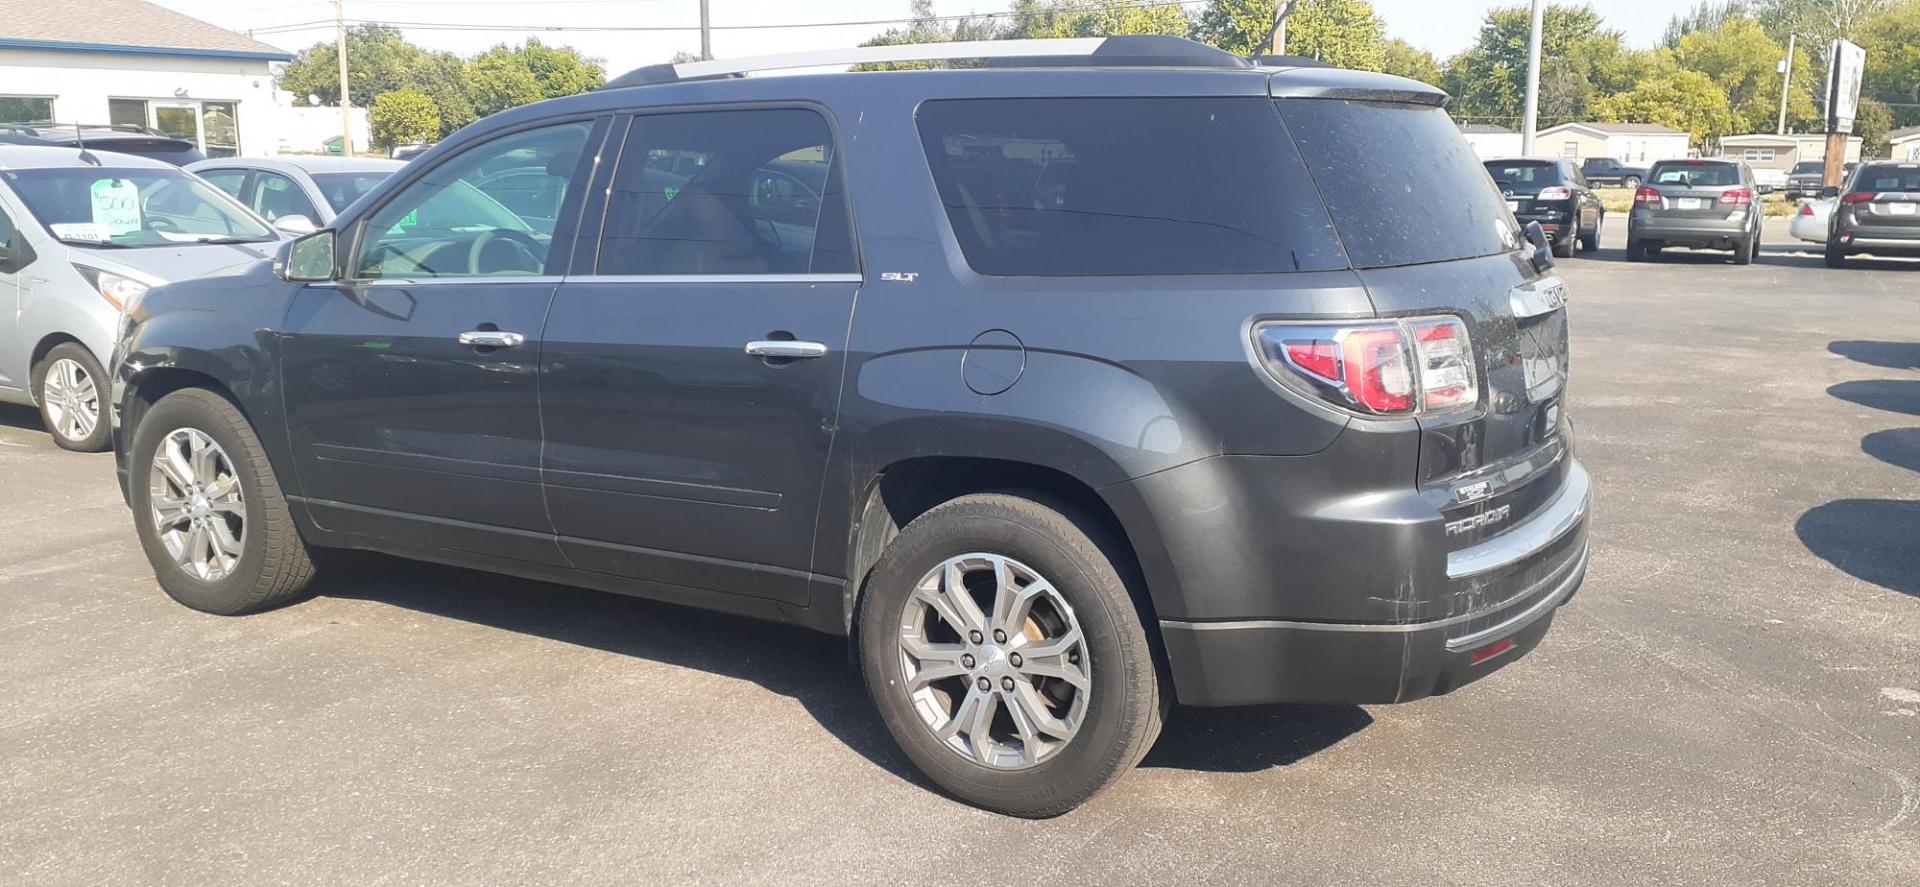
[1811,222]
[1770,180]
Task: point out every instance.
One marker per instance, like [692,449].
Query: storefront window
[25,109]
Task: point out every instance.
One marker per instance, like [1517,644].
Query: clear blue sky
[1442,26]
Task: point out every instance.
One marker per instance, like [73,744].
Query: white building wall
[1490,145]
[81,82]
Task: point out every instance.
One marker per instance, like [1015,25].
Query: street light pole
[346,104]
[1530,126]
[706,33]
[1786,80]
[1277,39]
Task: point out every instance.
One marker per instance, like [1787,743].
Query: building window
[127,112]
[1759,155]
[26,109]
[1570,150]
[212,127]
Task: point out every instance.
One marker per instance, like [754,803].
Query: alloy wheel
[196,504]
[994,661]
[72,399]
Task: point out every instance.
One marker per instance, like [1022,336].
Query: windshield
[1528,173]
[1808,166]
[343,188]
[95,206]
[1695,173]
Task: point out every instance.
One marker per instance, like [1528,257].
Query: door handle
[786,348]
[492,339]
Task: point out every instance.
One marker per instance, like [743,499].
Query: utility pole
[346,104]
[1786,80]
[1531,125]
[706,33]
[1277,40]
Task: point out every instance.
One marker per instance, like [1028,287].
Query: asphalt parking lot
[1733,698]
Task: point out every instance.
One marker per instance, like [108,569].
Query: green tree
[507,76]
[1818,21]
[403,116]
[1676,97]
[381,60]
[1584,61]
[1741,59]
[927,27]
[1708,15]
[1100,18]
[1344,33]
[1872,124]
[1892,41]
[1237,26]
[1406,60]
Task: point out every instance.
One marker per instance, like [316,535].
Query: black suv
[1555,195]
[1878,213]
[1608,172]
[1066,391]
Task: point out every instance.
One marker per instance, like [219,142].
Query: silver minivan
[1702,204]
[82,234]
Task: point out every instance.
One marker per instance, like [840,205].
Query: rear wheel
[1590,242]
[1631,183]
[209,511]
[1636,251]
[1563,246]
[1744,250]
[1006,656]
[1836,255]
[71,389]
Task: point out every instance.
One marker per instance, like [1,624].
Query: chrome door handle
[786,348]
[492,339]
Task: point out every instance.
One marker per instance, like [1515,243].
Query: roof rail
[1132,51]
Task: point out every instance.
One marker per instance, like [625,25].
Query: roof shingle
[119,23]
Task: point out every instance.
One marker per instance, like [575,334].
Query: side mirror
[1542,250]
[15,255]
[1829,192]
[295,224]
[308,259]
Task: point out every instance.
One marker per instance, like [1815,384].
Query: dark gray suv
[1108,375]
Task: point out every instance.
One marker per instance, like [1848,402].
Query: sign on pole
[1846,63]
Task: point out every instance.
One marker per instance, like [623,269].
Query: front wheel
[1006,656]
[71,389]
[209,511]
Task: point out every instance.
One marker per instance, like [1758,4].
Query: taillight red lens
[1555,194]
[1737,197]
[1806,209]
[1853,197]
[1396,368]
[1646,197]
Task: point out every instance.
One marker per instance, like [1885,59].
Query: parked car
[296,194]
[1169,380]
[80,235]
[1814,220]
[410,150]
[1554,194]
[1808,176]
[1703,204]
[1606,172]
[1768,181]
[1878,213]
[118,138]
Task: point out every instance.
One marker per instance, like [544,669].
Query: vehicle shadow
[15,416]
[1895,446]
[1889,355]
[1892,395]
[1869,539]
[808,667]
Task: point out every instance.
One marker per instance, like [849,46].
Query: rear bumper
[1651,227]
[1881,237]
[1516,581]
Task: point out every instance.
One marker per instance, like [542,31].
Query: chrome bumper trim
[1537,532]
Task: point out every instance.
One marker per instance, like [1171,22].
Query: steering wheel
[162,223]
[523,243]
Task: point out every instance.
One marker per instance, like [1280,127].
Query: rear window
[1695,173]
[1889,177]
[1403,186]
[1525,173]
[343,188]
[1095,186]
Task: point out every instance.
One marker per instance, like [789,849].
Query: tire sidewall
[102,434]
[1099,602]
[233,592]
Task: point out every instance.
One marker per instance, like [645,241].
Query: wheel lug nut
[986,684]
[975,637]
[1007,684]
[999,637]
[1015,659]
[967,660]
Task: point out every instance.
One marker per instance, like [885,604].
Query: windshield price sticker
[116,206]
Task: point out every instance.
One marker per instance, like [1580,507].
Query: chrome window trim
[836,277]
[443,281]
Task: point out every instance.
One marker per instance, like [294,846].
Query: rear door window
[1402,185]
[1125,186]
[1695,174]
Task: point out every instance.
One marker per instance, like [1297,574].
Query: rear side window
[727,192]
[1890,177]
[1525,173]
[1402,185]
[1695,174]
[1125,186]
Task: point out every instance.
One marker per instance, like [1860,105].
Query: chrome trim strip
[1885,241]
[483,279]
[1525,617]
[917,52]
[716,278]
[1567,584]
[1556,520]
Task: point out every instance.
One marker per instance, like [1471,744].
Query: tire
[1119,710]
[1836,255]
[74,411]
[1743,251]
[1636,251]
[272,567]
[1563,248]
[1591,242]
[1631,183]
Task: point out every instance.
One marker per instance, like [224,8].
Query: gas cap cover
[993,362]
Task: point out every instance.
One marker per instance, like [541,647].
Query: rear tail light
[1555,193]
[1646,197]
[1853,197]
[1396,368]
[1806,209]
[1737,197]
